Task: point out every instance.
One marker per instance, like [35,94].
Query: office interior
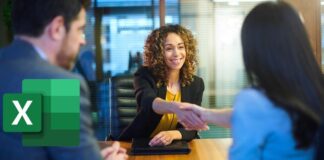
[116,31]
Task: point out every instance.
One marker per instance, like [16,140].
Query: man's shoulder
[41,69]
[56,72]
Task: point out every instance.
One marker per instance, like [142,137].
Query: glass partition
[217,25]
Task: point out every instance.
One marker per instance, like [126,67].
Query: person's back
[20,61]
[262,130]
[279,119]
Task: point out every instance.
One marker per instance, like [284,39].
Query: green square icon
[60,112]
[22,112]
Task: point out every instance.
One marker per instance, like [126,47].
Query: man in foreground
[48,34]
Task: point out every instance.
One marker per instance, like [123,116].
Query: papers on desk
[141,147]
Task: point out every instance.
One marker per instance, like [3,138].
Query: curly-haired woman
[162,85]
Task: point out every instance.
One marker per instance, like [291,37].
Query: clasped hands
[191,116]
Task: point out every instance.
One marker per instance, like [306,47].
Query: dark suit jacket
[146,91]
[20,61]
[319,155]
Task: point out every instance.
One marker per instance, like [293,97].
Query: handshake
[194,117]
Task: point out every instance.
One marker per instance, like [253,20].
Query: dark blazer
[319,154]
[20,61]
[146,91]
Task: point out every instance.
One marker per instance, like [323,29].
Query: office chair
[123,104]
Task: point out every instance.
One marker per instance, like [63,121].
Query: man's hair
[30,17]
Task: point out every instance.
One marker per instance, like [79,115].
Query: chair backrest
[123,104]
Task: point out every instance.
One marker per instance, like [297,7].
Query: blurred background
[117,29]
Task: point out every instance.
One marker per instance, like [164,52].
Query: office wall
[311,12]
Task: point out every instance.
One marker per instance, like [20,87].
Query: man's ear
[56,29]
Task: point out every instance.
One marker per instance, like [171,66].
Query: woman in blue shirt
[278,117]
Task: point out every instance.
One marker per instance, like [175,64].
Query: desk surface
[204,149]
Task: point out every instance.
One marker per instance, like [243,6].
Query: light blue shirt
[40,52]
[262,131]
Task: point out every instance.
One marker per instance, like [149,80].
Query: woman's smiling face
[174,51]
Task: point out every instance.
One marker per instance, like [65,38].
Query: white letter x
[22,112]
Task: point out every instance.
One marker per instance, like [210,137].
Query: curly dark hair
[154,54]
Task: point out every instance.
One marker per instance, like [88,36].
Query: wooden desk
[204,149]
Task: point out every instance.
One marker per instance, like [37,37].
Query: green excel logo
[22,112]
[47,112]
